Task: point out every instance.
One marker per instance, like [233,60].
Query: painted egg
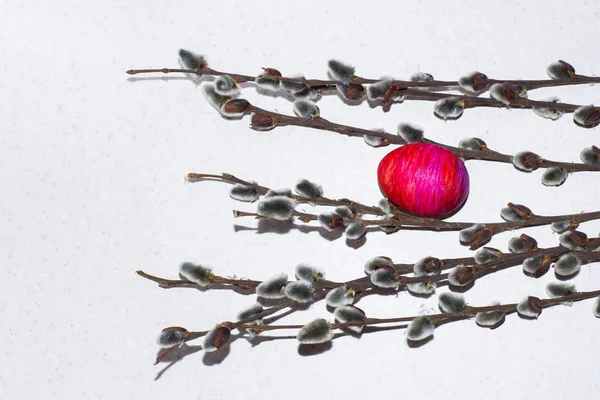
[424,179]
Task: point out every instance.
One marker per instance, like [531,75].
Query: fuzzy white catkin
[489,319]
[251,311]
[241,192]
[371,265]
[306,188]
[524,309]
[410,133]
[421,288]
[280,208]
[355,231]
[384,278]
[316,331]
[559,289]
[211,95]
[308,272]
[419,328]
[450,302]
[465,235]
[485,255]
[169,338]
[340,71]
[226,86]
[339,296]
[378,89]
[350,314]
[449,108]
[567,265]
[195,273]
[299,291]
[272,288]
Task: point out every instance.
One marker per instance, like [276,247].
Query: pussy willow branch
[483,155]
[467,312]
[323,286]
[399,220]
[406,88]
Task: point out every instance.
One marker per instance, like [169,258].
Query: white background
[92,169]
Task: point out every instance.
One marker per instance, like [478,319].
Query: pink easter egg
[424,179]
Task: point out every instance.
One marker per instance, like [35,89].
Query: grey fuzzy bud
[419,328]
[497,93]
[280,192]
[559,289]
[560,70]
[549,112]
[250,312]
[587,116]
[384,278]
[490,319]
[293,87]
[306,109]
[536,266]
[267,83]
[211,95]
[378,90]
[421,288]
[509,215]
[308,273]
[241,192]
[450,302]
[462,275]
[516,245]
[562,226]
[421,77]
[340,71]
[191,60]
[426,266]
[374,141]
[306,188]
[473,82]
[410,133]
[596,307]
[466,235]
[529,307]
[171,337]
[384,205]
[316,331]
[216,338]
[226,86]
[565,240]
[590,155]
[486,255]
[554,176]
[339,296]
[330,221]
[345,314]
[272,288]
[377,262]
[344,212]
[472,144]
[311,94]
[195,273]
[526,161]
[449,108]
[567,265]
[300,291]
[280,208]
[355,231]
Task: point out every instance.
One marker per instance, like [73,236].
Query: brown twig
[409,89]
[400,220]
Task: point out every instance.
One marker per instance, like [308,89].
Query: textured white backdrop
[92,174]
